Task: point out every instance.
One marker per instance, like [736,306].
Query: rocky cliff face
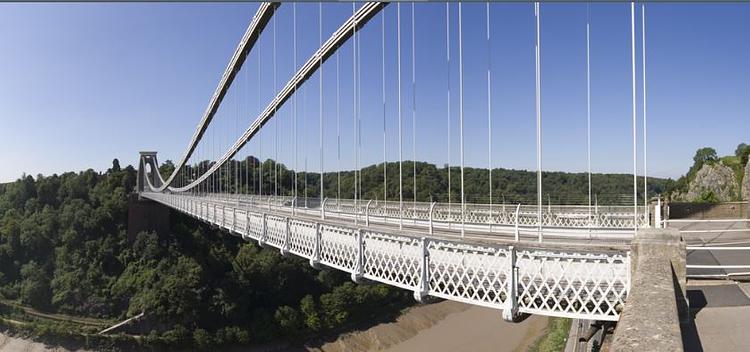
[746,183]
[716,178]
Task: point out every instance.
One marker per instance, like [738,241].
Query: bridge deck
[588,282]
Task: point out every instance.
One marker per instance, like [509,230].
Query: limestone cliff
[713,178]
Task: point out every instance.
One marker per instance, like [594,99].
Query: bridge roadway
[571,279]
[496,225]
[716,248]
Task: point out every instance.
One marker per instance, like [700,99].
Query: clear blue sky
[81,84]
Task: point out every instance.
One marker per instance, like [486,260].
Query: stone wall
[728,210]
[656,306]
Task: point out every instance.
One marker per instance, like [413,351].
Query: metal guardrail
[608,222]
[718,247]
[563,283]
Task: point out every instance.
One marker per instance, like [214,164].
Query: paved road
[718,234]
[481,233]
[722,315]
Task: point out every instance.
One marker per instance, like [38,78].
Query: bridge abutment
[656,306]
[146,215]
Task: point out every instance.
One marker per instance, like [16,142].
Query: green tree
[35,289]
[289,319]
[310,313]
[742,152]
[166,168]
[115,166]
[202,338]
[704,155]
[708,197]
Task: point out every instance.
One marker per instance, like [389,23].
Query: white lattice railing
[605,222]
[565,283]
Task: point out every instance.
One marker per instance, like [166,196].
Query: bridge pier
[656,306]
[146,215]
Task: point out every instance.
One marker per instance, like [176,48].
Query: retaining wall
[656,306]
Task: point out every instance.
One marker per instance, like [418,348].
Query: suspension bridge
[531,257]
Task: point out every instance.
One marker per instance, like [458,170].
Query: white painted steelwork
[536,280]
[613,222]
[714,241]
[259,22]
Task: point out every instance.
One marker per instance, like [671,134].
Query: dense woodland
[64,249]
[432,183]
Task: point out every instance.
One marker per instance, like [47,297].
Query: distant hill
[515,186]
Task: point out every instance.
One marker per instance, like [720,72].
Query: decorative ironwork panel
[391,259]
[302,237]
[338,247]
[255,225]
[241,226]
[275,230]
[468,273]
[582,285]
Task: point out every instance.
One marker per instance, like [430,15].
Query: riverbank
[444,326]
[13,343]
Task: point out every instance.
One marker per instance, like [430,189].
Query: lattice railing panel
[220,216]
[468,273]
[302,237]
[241,226]
[572,284]
[275,230]
[338,247]
[255,225]
[392,259]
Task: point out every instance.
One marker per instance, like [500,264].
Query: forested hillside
[63,248]
[432,183]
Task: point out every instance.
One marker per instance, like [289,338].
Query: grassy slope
[555,336]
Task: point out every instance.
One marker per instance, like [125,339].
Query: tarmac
[721,312]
